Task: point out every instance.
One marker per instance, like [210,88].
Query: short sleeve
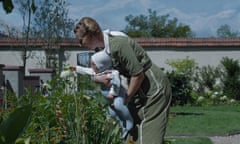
[125,58]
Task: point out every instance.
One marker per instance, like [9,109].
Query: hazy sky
[203,16]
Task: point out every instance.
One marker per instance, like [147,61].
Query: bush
[207,85]
[180,78]
[181,88]
[207,77]
[185,66]
[231,78]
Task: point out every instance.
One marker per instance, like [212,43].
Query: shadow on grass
[185,114]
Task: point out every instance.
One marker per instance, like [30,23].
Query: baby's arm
[85,70]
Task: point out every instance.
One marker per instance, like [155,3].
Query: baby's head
[101,61]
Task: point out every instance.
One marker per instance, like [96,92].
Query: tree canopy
[154,25]
[225,31]
[51,20]
[7,5]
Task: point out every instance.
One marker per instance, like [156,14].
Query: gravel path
[233,139]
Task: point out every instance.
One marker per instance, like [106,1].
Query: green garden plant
[181,88]
[180,78]
[207,76]
[15,124]
[70,114]
[231,79]
[207,85]
[185,66]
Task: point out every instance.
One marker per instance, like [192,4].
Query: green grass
[194,140]
[203,121]
[197,123]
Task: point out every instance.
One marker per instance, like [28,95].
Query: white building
[205,51]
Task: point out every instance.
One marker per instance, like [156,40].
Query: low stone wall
[44,74]
[14,76]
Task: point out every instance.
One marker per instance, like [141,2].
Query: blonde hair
[91,25]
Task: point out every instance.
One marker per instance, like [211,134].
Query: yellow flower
[57,128]
[62,136]
[52,139]
[131,141]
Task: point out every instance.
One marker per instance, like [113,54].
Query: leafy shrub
[207,77]
[206,84]
[181,89]
[12,127]
[180,78]
[185,66]
[231,78]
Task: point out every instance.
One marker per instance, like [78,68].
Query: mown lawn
[193,140]
[202,121]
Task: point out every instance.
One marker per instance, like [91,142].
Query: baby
[101,64]
[115,94]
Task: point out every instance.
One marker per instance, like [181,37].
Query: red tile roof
[145,42]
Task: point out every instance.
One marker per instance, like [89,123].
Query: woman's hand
[107,71]
[103,79]
[110,96]
[127,99]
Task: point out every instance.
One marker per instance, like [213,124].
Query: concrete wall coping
[1,66]
[41,70]
[13,68]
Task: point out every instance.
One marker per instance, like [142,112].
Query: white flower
[223,98]
[59,102]
[46,85]
[218,81]
[213,96]
[216,93]
[200,99]
[232,101]
[87,97]
[2,88]
[67,73]
[207,91]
